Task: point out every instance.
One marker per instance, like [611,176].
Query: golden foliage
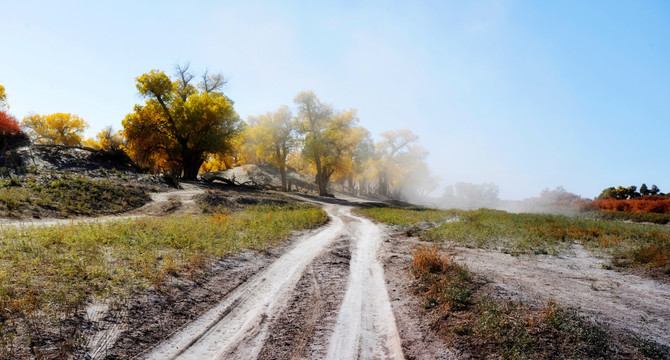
[179,125]
[3,98]
[106,139]
[55,129]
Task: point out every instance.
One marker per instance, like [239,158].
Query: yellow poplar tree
[273,136]
[3,98]
[55,129]
[106,139]
[180,123]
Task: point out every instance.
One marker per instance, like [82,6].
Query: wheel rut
[325,297]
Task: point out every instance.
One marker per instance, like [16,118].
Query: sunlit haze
[523,94]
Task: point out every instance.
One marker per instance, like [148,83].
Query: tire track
[241,320]
[366,327]
[302,331]
[261,319]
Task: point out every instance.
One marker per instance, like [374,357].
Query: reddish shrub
[647,204]
[8,124]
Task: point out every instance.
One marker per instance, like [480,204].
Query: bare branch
[184,75]
[212,82]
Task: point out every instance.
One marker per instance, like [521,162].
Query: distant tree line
[630,192]
[186,126]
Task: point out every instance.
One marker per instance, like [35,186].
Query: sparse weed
[491,327]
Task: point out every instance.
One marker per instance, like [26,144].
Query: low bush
[8,124]
[443,281]
[648,204]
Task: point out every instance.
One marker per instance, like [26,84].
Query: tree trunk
[320,176]
[282,171]
[282,166]
[362,187]
[383,185]
[191,162]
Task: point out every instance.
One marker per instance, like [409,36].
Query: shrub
[444,282]
[647,204]
[8,124]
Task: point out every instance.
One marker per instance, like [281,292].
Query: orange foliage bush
[646,204]
[8,124]
[429,260]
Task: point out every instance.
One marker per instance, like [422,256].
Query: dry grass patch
[48,274]
[483,326]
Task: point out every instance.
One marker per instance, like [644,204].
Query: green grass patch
[48,273]
[408,217]
[630,244]
[67,195]
[653,218]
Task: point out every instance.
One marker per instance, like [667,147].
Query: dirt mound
[41,181]
[71,159]
[262,175]
[215,199]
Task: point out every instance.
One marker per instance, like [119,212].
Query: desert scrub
[47,274]
[488,327]
[407,218]
[68,195]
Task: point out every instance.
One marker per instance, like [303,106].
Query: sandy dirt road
[625,302]
[361,326]
[173,202]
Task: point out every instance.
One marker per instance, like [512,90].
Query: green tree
[608,193]
[273,136]
[631,192]
[619,193]
[179,123]
[644,191]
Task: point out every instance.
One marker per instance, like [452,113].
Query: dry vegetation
[482,326]
[48,274]
[647,204]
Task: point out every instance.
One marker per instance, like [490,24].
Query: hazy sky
[525,94]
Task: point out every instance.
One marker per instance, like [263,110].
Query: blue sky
[525,94]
